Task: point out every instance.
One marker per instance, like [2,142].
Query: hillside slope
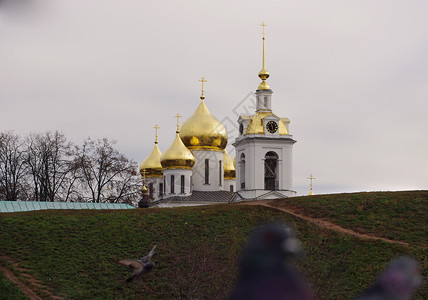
[73,254]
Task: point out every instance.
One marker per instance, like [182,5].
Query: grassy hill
[73,254]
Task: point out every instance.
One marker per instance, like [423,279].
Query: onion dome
[177,156]
[228,166]
[152,163]
[203,131]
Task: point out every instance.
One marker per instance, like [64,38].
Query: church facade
[196,169]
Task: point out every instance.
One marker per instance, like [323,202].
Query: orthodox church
[196,169]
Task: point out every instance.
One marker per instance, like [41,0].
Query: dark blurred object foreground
[399,280]
[266,270]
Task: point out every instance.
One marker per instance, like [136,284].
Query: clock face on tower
[272,126]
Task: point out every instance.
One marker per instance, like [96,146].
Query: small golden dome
[228,166]
[144,189]
[177,156]
[152,163]
[203,131]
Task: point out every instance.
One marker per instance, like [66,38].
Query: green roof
[15,206]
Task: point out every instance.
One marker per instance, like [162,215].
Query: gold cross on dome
[202,80]
[178,121]
[156,132]
[311,178]
[263,25]
[144,173]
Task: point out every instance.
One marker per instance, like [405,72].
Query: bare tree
[12,166]
[50,160]
[103,167]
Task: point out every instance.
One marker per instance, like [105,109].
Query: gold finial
[311,193]
[178,121]
[202,80]
[144,172]
[263,74]
[156,133]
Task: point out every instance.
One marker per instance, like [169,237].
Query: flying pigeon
[266,270]
[400,279]
[141,266]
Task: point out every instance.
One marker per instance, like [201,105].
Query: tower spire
[202,80]
[263,74]
[156,133]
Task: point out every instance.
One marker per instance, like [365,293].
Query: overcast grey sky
[352,76]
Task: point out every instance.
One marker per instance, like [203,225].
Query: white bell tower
[263,149]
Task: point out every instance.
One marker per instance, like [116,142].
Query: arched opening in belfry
[242,171]
[271,171]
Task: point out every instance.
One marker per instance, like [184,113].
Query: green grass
[394,215]
[9,291]
[75,252]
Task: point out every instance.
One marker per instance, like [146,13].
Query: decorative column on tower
[151,171]
[206,137]
[263,148]
[177,163]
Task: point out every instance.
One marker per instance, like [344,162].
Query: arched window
[271,171]
[242,171]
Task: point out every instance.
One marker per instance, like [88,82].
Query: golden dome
[177,156]
[228,166]
[256,124]
[152,163]
[203,131]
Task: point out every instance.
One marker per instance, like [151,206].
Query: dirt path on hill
[24,288]
[27,289]
[322,223]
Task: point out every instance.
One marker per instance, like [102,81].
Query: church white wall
[156,189]
[216,173]
[255,151]
[227,183]
[177,182]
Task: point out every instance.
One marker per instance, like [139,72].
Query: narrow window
[231,188]
[207,171]
[191,184]
[151,189]
[164,184]
[219,172]
[172,184]
[160,188]
[182,184]
[242,171]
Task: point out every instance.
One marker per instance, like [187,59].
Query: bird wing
[147,258]
[137,265]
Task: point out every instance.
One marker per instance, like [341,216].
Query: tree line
[48,167]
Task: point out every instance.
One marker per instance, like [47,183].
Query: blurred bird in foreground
[400,279]
[266,270]
[141,266]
